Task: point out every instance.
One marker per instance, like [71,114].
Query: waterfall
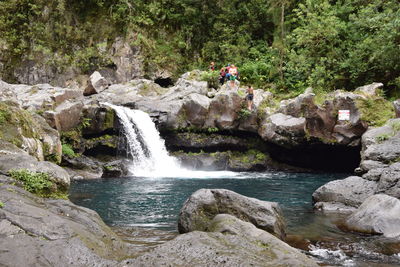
[147,150]
[144,144]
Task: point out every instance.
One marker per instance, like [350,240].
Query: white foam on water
[332,255]
[147,150]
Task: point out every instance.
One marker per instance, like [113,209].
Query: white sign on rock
[344,115]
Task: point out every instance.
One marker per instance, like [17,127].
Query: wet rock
[217,161]
[378,214]
[101,119]
[49,232]
[82,167]
[351,191]
[228,242]
[116,168]
[201,207]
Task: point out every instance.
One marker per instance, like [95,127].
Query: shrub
[68,151]
[211,77]
[244,113]
[38,183]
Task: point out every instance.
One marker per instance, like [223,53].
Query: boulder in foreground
[203,205]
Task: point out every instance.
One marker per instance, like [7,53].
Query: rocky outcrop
[201,207]
[227,242]
[29,131]
[12,158]
[343,195]
[49,232]
[378,214]
[379,167]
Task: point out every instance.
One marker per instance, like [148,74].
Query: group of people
[231,73]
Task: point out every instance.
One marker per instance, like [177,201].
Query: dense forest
[282,44]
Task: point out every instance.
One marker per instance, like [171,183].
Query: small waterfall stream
[147,150]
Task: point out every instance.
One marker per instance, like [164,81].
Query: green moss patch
[375,110]
[38,183]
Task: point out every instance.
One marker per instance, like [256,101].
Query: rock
[101,119]
[188,141]
[370,89]
[230,242]
[223,111]
[97,83]
[396,105]
[42,97]
[82,167]
[351,191]
[201,207]
[389,180]
[386,152]
[127,59]
[195,109]
[30,132]
[50,232]
[217,161]
[378,214]
[283,130]
[66,116]
[23,161]
[116,168]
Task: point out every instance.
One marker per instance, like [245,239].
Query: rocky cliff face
[297,131]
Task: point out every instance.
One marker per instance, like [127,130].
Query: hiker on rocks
[249,97]
[212,66]
[233,71]
[222,74]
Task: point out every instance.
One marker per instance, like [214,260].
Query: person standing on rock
[249,97]
[222,74]
[233,71]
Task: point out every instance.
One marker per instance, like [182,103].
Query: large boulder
[228,242]
[223,111]
[343,195]
[96,84]
[65,116]
[201,207]
[378,214]
[48,232]
[195,109]
[283,130]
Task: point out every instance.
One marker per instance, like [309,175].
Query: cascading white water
[149,156]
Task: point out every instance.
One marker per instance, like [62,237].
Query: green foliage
[395,126]
[284,45]
[68,151]
[376,111]
[211,77]
[1,205]
[383,137]
[243,114]
[38,183]
[212,129]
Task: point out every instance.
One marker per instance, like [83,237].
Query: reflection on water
[154,203]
